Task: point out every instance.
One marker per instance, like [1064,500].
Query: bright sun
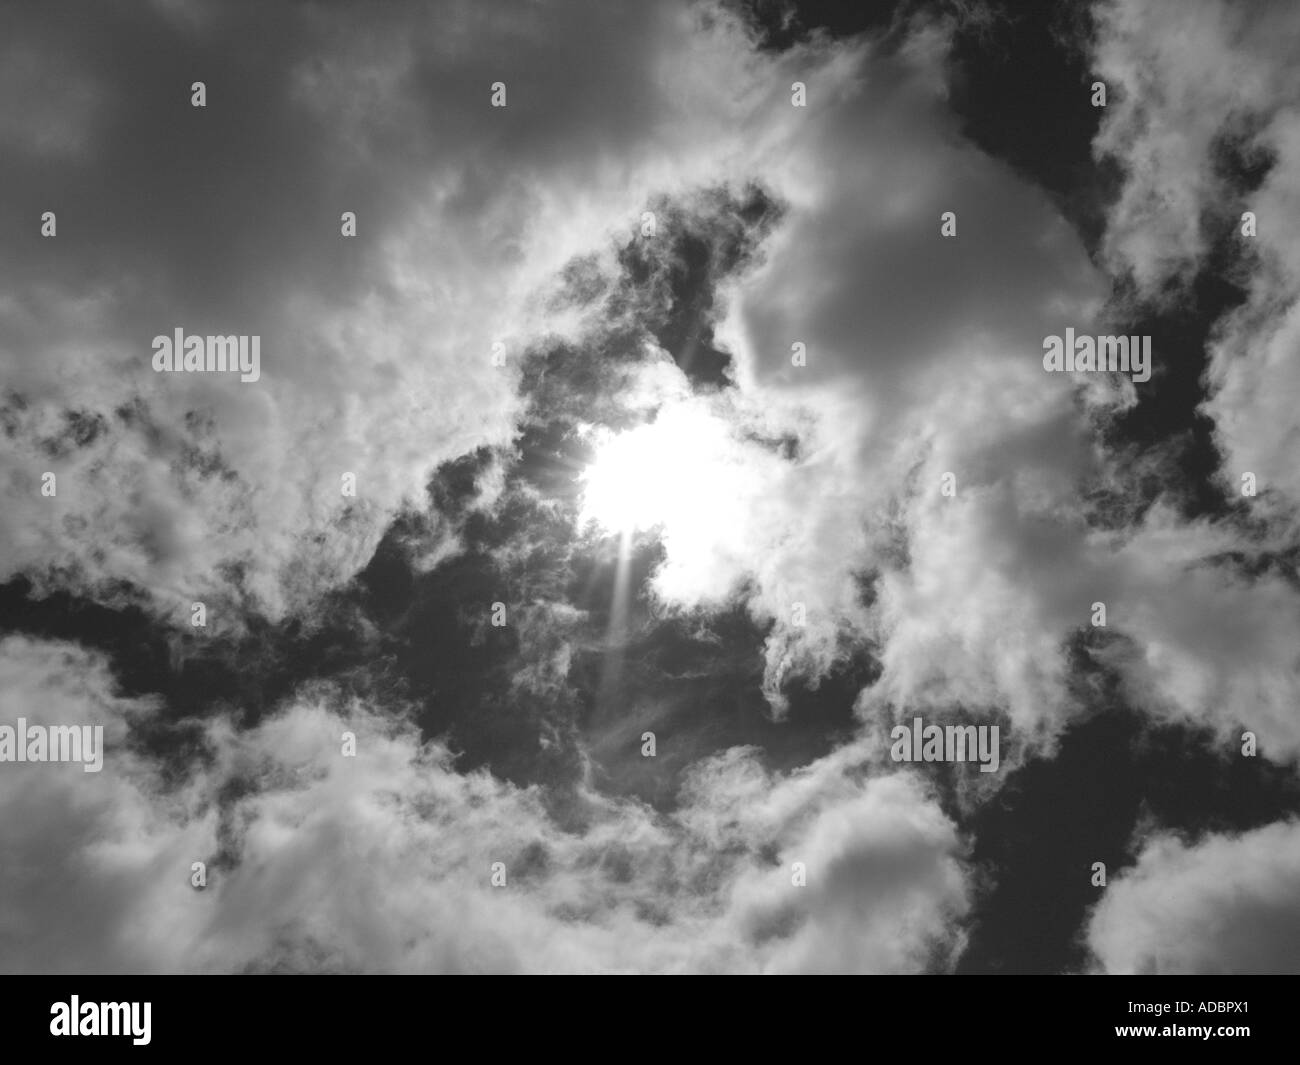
[669,473]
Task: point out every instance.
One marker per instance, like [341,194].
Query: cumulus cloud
[1202,85]
[376,350]
[923,358]
[1202,93]
[1224,904]
[807,491]
[383,861]
[1178,101]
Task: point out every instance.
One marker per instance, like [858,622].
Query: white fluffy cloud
[1225,904]
[1182,77]
[1193,78]
[376,351]
[923,357]
[383,861]
[1188,80]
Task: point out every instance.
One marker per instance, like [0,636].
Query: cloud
[808,495]
[1225,904]
[302,842]
[376,350]
[1177,102]
[1207,90]
[1200,94]
[884,859]
[923,357]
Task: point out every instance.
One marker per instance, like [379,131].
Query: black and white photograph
[650,487]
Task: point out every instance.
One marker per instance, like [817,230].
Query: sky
[651,424]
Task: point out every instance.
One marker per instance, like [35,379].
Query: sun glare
[669,473]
